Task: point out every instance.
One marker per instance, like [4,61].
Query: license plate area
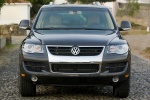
[75,68]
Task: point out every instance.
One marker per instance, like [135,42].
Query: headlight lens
[32,48]
[118,49]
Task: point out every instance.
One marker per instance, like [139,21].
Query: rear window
[74,18]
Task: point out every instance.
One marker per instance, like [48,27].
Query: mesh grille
[75,68]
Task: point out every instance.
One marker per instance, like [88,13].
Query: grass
[138,25]
[10,45]
[7,47]
[140,21]
[134,32]
[146,52]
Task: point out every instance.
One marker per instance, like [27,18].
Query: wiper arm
[51,28]
[88,28]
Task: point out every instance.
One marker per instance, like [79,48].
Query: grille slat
[75,68]
[116,67]
[34,66]
[84,51]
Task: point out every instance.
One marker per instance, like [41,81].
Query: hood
[75,37]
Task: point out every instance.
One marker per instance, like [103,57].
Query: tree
[8,37]
[146,13]
[36,4]
[148,16]
[132,7]
[12,1]
[8,1]
[89,1]
[2,3]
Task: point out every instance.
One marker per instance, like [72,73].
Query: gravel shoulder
[138,44]
[140,83]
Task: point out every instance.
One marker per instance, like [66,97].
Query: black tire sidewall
[122,90]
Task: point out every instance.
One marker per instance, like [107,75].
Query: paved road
[140,83]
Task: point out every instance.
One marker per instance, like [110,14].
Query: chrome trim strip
[70,46]
[75,59]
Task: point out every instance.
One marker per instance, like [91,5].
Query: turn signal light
[23,75]
[127,75]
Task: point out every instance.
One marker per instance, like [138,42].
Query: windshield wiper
[61,28]
[92,28]
[51,28]
[88,28]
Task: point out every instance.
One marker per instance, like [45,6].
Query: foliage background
[89,1]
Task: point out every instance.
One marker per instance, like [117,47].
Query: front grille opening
[34,66]
[75,68]
[116,67]
[84,51]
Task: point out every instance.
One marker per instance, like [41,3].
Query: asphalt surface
[140,83]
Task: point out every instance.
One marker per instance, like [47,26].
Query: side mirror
[125,25]
[25,24]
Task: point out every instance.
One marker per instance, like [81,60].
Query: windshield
[96,19]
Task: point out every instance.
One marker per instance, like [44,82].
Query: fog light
[34,78]
[115,79]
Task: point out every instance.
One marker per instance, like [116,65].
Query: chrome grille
[84,51]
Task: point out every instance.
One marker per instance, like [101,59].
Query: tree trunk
[8,39]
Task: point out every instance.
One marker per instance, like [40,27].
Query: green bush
[137,26]
[5,29]
[120,12]
[130,9]
[147,50]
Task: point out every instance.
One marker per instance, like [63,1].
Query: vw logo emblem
[75,50]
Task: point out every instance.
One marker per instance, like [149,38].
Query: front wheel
[122,90]
[27,88]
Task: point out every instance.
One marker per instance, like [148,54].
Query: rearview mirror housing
[25,24]
[125,25]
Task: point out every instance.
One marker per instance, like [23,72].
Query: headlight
[32,48]
[118,49]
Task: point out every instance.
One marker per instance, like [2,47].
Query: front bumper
[88,79]
[102,77]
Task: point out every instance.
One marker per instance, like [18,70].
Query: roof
[75,5]
[29,4]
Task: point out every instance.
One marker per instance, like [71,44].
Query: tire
[122,90]
[26,88]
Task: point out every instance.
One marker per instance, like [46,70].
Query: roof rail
[96,3]
[58,2]
[51,3]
